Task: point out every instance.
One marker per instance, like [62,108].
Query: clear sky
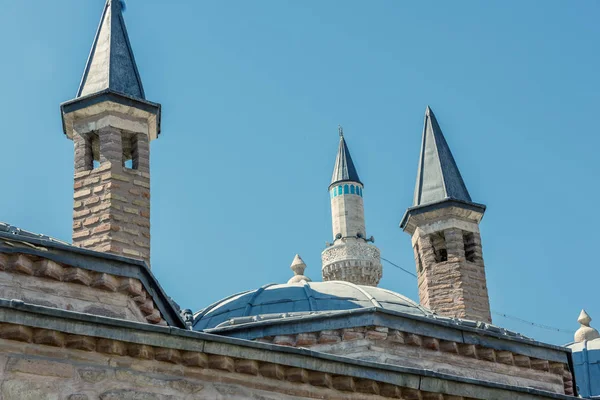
[252,94]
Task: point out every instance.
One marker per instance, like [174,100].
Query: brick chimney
[111,124]
[444,225]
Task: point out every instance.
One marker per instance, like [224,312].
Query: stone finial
[298,266]
[585,331]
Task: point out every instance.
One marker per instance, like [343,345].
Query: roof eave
[102,262]
[448,202]
[112,96]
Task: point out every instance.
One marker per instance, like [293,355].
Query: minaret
[111,124]
[350,258]
[444,225]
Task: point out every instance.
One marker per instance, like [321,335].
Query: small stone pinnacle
[585,331]
[584,318]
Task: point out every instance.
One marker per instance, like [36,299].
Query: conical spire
[344,170]
[111,64]
[438,177]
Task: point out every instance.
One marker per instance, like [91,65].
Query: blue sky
[252,94]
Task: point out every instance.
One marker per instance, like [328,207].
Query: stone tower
[444,225]
[350,257]
[111,124]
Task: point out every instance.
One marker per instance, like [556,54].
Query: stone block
[147,307]
[49,269]
[487,354]
[4,261]
[106,282]
[320,379]
[367,386]
[306,339]
[373,334]
[222,363]
[27,390]
[77,275]
[349,335]
[467,350]
[23,264]
[50,338]
[109,346]
[391,391]
[185,386]
[78,397]
[16,332]
[193,359]
[86,343]
[154,318]
[127,394]
[505,357]
[431,343]
[432,396]
[413,340]
[395,336]
[557,368]
[92,375]
[540,365]
[168,355]
[411,394]
[284,340]
[140,351]
[344,383]
[522,361]
[273,371]
[299,375]
[249,367]
[328,337]
[40,368]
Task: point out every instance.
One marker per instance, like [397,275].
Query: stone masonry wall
[390,346]
[45,365]
[112,202]
[43,282]
[454,286]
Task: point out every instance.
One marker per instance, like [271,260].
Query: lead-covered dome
[276,301]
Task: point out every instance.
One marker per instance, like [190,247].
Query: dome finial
[298,266]
[341,130]
[585,331]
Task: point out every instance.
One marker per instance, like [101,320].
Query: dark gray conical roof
[438,177]
[111,64]
[344,169]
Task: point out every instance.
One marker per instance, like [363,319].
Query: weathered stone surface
[126,394]
[92,375]
[27,390]
[273,371]
[40,367]
[78,397]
